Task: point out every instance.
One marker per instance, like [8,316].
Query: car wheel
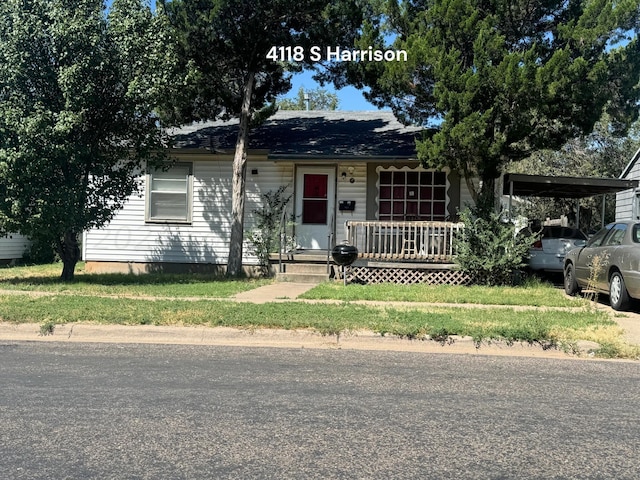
[570,283]
[618,295]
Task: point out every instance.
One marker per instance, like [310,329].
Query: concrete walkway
[275,292]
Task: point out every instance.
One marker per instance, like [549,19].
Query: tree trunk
[234,264]
[487,202]
[471,187]
[69,252]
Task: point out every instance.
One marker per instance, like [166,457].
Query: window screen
[169,194]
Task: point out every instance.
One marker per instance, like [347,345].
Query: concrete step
[315,268]
[314,256]
[302,277]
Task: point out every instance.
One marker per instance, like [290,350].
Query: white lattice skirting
[405,276]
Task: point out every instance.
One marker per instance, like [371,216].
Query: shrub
[41,251]
[264,237]
[488,249]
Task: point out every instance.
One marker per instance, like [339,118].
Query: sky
[349,98]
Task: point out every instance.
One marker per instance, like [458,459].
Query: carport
[523,185]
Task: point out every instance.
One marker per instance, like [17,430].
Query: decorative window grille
[412,194]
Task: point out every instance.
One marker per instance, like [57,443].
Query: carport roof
[563,187]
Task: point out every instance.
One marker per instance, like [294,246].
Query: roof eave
[279,157]
[630,165]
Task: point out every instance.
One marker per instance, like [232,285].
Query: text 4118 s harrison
[334,54]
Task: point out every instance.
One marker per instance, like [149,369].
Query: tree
[496,80]
[76,121]
[238,55]
[318,99]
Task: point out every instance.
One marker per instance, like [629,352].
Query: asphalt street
[128,411]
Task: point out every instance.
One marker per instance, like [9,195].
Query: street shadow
[113,279]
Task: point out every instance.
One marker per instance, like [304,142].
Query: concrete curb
[273,338]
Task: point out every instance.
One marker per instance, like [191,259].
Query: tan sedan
[608,263]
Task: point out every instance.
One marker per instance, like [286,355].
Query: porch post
[604,196]
[510,198]
[578,213]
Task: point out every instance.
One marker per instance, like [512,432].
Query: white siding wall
[465,195]
[624,199]
[624,205]
[12,246]
[351,191]
[129,239]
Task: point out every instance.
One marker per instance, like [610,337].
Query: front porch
[404,252]
[391,251]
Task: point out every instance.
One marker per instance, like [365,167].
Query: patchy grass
[548,328]
[84,301]
[534,293]
[45,278]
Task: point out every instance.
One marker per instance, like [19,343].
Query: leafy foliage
[498,80]
[488,249]
[264,237]
[76,117]
[39,252]
[319,99]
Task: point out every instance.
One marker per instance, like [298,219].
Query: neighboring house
[628,201]
[352,175]
[12,247]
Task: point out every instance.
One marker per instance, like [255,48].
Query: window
[617,234]
[411,194]
[596,240]
[636,205]
[314,199]
[169,194]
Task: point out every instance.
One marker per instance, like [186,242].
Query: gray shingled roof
[310,133]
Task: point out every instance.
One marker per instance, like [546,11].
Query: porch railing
[419,241]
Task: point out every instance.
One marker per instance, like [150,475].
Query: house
[12,247]
[628,201]
[351,176]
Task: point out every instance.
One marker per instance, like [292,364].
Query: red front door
[315,204]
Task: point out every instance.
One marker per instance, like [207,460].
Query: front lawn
[546,327]
[534,293]
[45,278]
[190,299]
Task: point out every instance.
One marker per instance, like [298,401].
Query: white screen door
[315,206]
